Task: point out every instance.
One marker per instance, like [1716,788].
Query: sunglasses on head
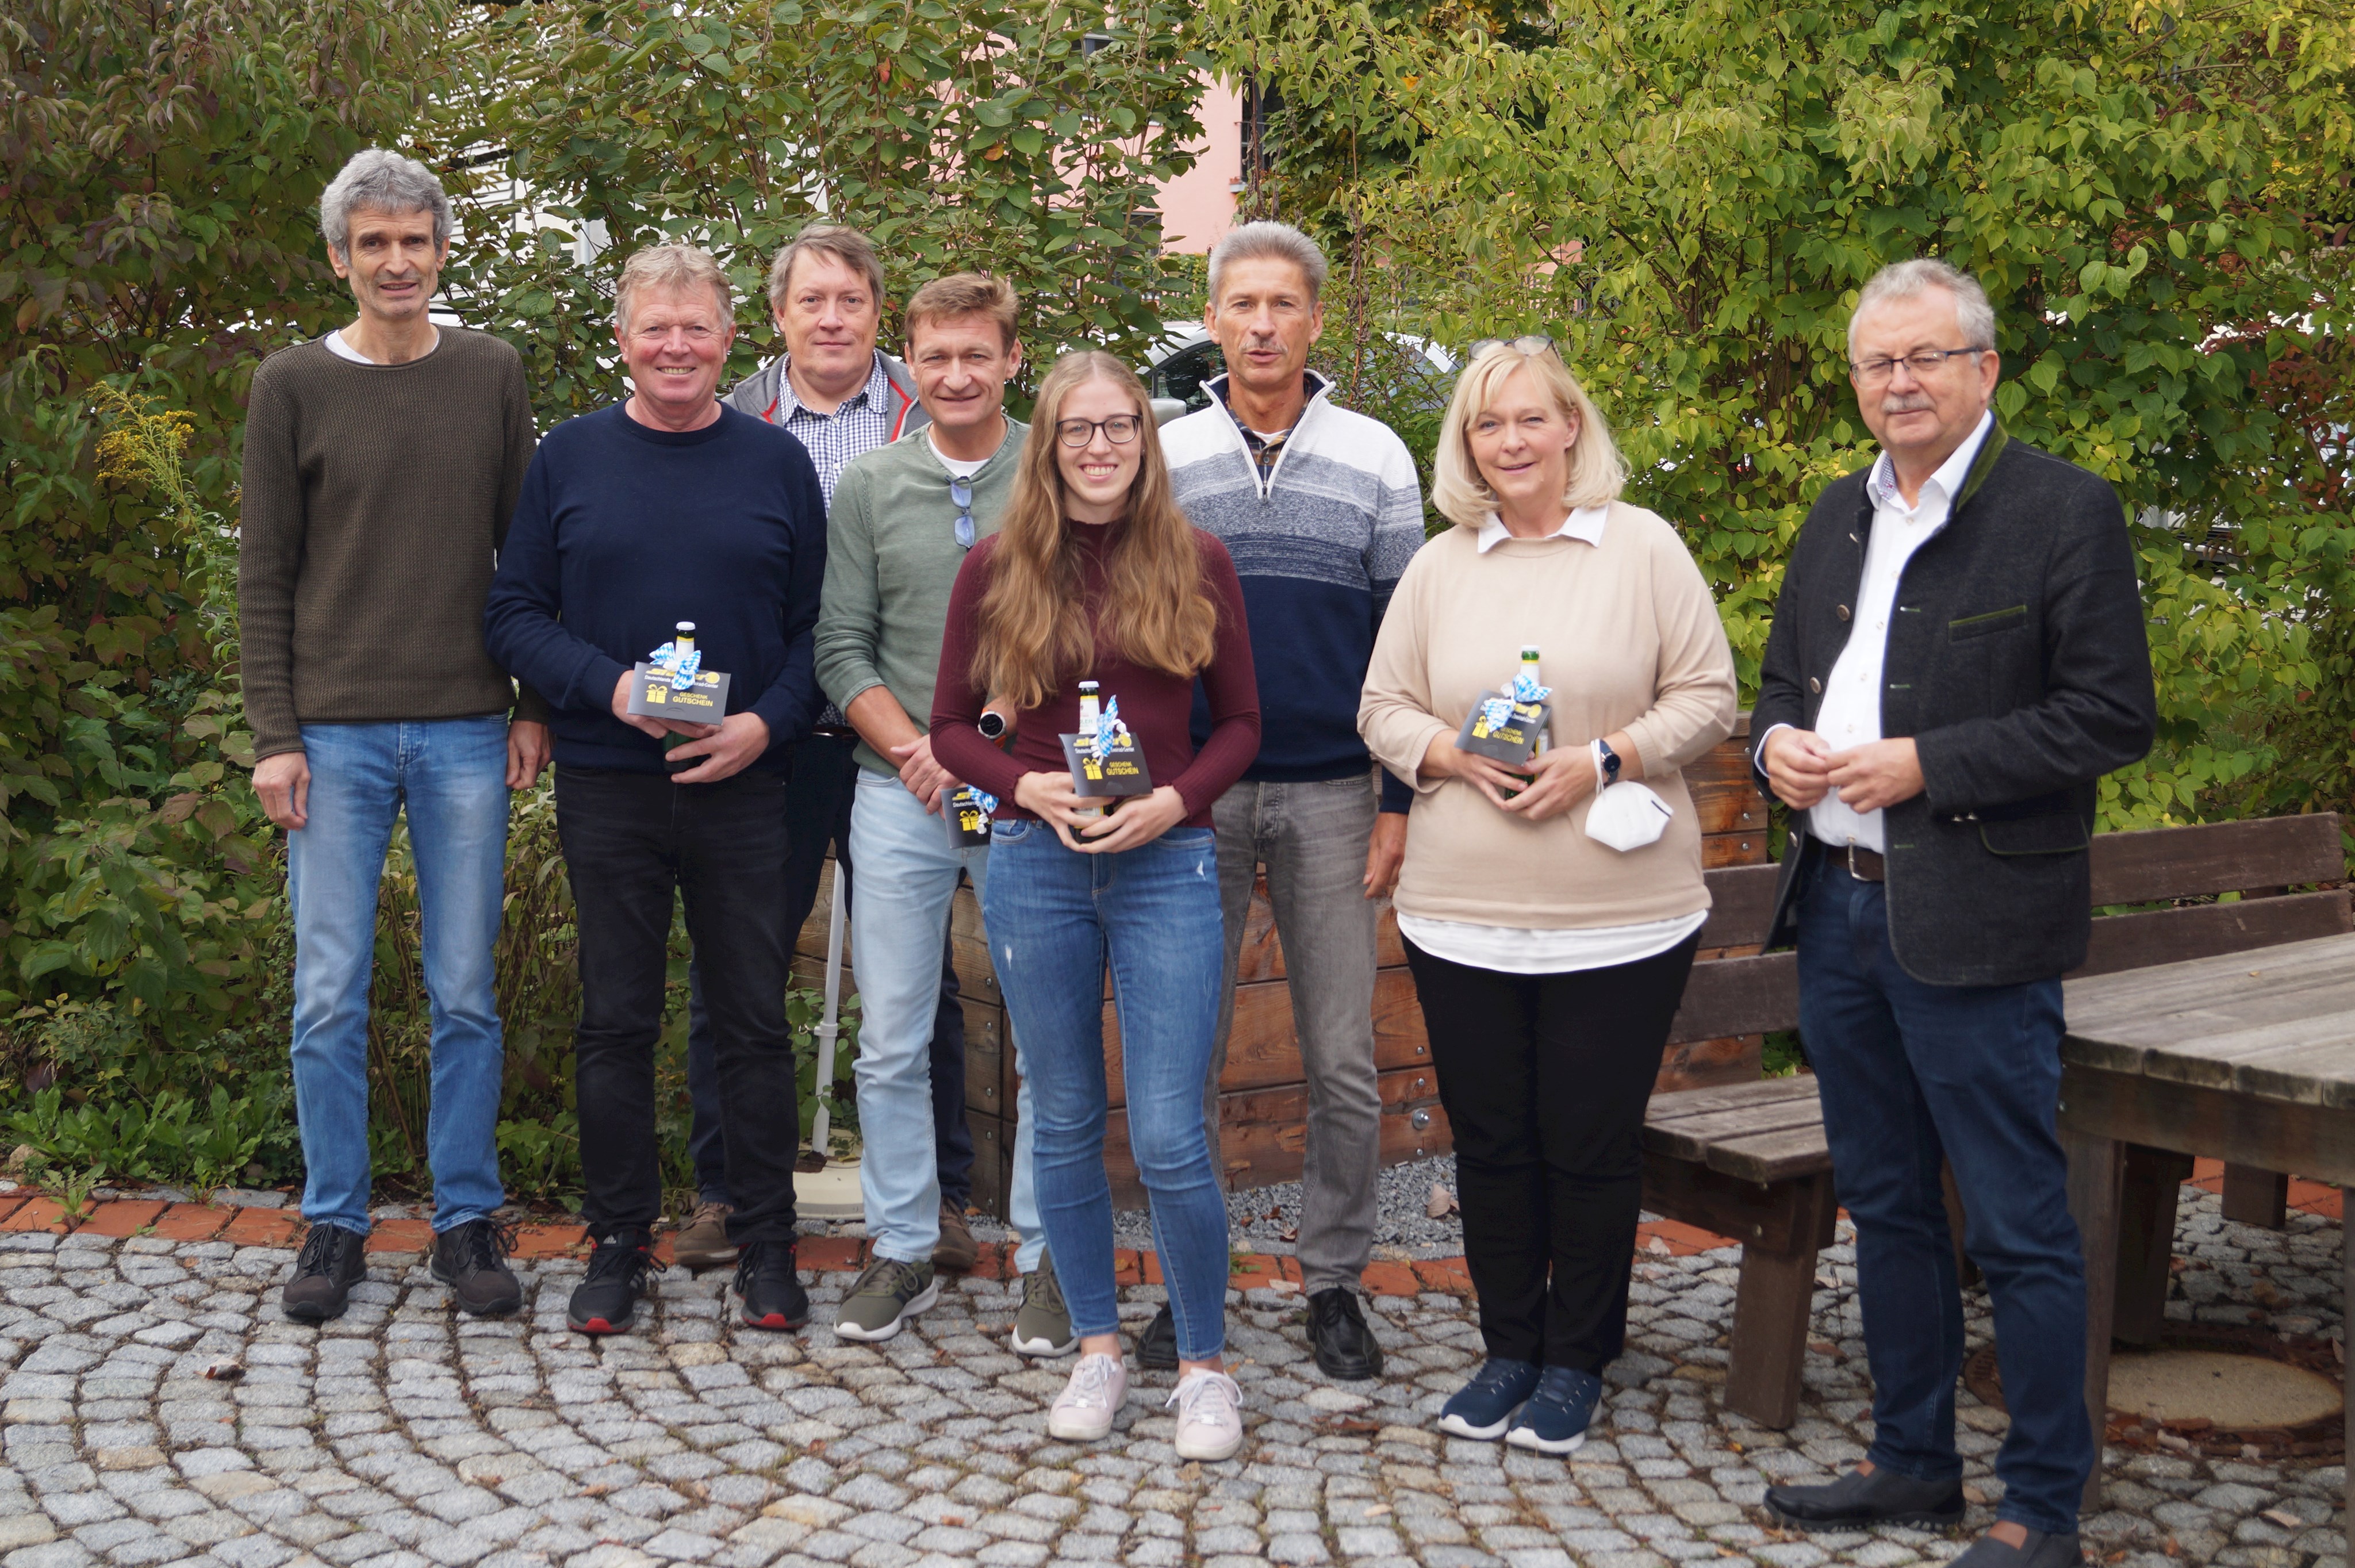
[1533,343]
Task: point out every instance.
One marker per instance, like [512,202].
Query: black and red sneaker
[607,1301]
[768,1292]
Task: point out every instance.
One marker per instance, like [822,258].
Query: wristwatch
[1609,760]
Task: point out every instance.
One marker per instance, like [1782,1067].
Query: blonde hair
[963,294]
[1036,629]
[1597,471]
[671,267]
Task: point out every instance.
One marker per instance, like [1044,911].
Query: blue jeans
[900,924]
[1910,1073]
[450,776]
[1053,917]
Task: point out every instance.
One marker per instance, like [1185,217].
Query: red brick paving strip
[39,1214]
[123,1217]
[263,1228]
[1251,1271]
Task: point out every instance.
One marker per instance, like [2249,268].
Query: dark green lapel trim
[1983,465]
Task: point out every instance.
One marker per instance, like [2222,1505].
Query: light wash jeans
[1054,918]
[899,922]
[450,776]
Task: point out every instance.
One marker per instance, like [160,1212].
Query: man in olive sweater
[381,465]
[903,517]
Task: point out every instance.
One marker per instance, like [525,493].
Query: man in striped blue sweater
[1321,510]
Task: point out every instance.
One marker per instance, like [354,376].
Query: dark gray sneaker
[472,1259]
[884,1297]
[1043,1327]
[2042,1551]
[332,1261]
[1858,1501]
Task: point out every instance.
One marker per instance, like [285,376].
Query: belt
[1866,865]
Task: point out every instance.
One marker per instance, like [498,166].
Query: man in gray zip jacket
[1959,654]
[1321,510]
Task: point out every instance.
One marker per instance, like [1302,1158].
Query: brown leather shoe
[956,1249]
[704,1242]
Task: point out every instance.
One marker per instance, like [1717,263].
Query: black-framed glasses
[1119,430]
[1527,345]
[1924,363]
[961,496]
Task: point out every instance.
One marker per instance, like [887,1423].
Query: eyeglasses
[961,496]
[1533,343]
[1924,364]
[1119,430]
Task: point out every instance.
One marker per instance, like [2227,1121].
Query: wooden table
[2248,1058]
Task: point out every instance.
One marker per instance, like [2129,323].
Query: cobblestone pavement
[159,1409]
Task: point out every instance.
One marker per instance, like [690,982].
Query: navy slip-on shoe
[1557,1415]
[1482,1408]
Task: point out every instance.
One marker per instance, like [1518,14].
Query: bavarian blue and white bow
[1110,730]
[680,672]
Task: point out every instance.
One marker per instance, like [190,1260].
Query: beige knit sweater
[1629,639]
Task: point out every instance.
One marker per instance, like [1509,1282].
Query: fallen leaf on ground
[2283,1517]
[1441,1203]
[225,1372]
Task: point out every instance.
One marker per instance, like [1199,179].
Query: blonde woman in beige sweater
[1549,963]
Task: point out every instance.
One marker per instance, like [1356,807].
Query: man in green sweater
[382,463]
[903,517]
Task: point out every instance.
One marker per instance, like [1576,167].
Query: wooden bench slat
[2216,858]
[1772,1156]
[1739,995]
[1692,1137]
[2152,937]
[1742,903]
[1727,1097]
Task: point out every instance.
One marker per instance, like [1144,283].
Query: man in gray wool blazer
[1958,654]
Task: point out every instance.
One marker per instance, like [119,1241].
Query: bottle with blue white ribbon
[1106,759]
[671,683]
[1512,725]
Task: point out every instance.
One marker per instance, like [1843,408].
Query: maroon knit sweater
[1154,704]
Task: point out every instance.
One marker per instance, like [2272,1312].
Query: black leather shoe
[472,1259]
[1346,1349]
[333,1260]
[768,1292]
[2043,1550]
[1156,1348]
[607,1301]
[1884,1497]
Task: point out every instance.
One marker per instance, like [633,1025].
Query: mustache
[1913,403]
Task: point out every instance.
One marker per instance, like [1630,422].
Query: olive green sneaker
[884,1297]
[1043,1327]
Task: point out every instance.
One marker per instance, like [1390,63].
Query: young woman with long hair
[1096,575]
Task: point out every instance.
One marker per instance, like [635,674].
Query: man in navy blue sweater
[665,509]
[1321,510]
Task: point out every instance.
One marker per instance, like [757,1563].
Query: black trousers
[632,842]
[817,812]
[1544,1078]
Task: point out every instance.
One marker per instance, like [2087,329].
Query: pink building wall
[1198,208]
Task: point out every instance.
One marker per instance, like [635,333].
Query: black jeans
[1545,1079]
[633,841]
[817,812]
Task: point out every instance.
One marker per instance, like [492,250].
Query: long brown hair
[1036,630]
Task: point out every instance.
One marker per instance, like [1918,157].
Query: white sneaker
[1082,1412]
[1209,1415]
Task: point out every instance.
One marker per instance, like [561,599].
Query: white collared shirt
[1850,715]
[1586,523]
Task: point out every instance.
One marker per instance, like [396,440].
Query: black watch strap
[1610,762]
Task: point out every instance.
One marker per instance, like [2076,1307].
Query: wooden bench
[1749,1161]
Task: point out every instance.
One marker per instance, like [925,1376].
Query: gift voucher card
[1119,771]
[703,701]
[1501,728]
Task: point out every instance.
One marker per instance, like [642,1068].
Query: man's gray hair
[1907,279]
[672,267]
[1270,241]
[388,181]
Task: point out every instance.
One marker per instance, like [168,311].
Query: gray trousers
[1313,839]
